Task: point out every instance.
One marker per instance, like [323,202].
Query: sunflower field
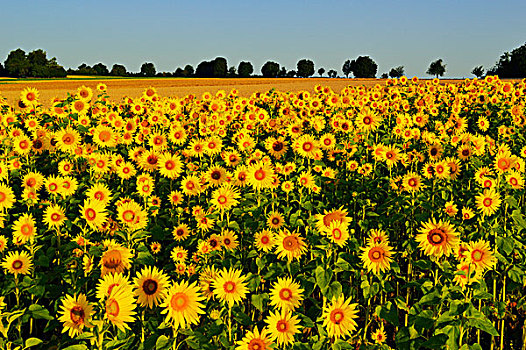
[389,217]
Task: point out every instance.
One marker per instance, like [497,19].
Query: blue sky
[172,34]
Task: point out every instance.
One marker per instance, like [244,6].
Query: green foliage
[363,67]
[436,68]
[305,68]
[396,72]
[270,69]
[245,69]
[148,69]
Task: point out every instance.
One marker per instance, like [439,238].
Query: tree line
[36,64]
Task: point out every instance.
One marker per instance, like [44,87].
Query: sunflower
[412,182]
[132,215]
[255,340]
[182,305]
[230,287]
[367,121]
[306,146]
[275,220]
[110,281]
[84,93]
[33,180]
[116,258]
[391,155]
[18,263]
[282,327]
[259,175]
[181,232]
[54,216]
[515,180]
[377,236]
[24,229]
[488,202]
[190,185]
[68,139]
[323,221]
[286,294]
[170,165]
[442,170]
[3,243]
[94,212]
[151,285]
[377,257]
[450,208]
[276,147]
[437,238]
[467,274]
[480,255]
[29,96]
[225,197]
[337,233]
[179,254]
[206,278]
[99,192]
[290,245]
[7,197]
[264,240]
[379,335]
[119,308]
[229,239]
[76,313]
[339,317]
[467,213]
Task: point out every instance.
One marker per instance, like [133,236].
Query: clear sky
[171,34]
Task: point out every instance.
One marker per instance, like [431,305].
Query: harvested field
[119,88]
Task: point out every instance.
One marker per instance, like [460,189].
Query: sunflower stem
[229,324]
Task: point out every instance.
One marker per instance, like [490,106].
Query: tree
[219,67]
[384,76]
[270,69]
[148,69]
[511,65]
[347,68]
[397,72]
[204,69]
[245,69]
[436,68]
[305,68]
[2,70]
[478,71]
[231,72]
[332,73]
[118,70]
[364,67]
[321,71]
[101,69]
[37,57]
[291,74]
[188,71]
[17,65]
[282,72]
[84,69]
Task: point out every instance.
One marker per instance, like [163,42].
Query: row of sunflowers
[371,218]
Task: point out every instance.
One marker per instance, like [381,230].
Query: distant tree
[305,68]
[37,57]
[384,76]
[270,69]
[204,69]
[291,74]
[188,71]
[245,69]
[436,68]
[397,72]
[282,72]
[321,71]
[364,67]
[219,67]
[347,68]
[118,70]
[178,72]
[148,69]
[478,71]
[511,65]
[2,70]
[17,65]
[231,72]
[84,69]
[101,69]
[332,73]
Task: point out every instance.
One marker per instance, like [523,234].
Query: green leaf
[76,347]
[335,289]
[423,264]
[39,312]
[436,342]
[424,320]
[478,320]
[145,258]
[516,274]
[258,300]
[389,312]
[323,278]
[163,342]
[33,342]
[516,215]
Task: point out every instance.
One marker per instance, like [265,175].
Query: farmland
[198,214]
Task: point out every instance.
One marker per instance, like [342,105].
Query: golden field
[178,87]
